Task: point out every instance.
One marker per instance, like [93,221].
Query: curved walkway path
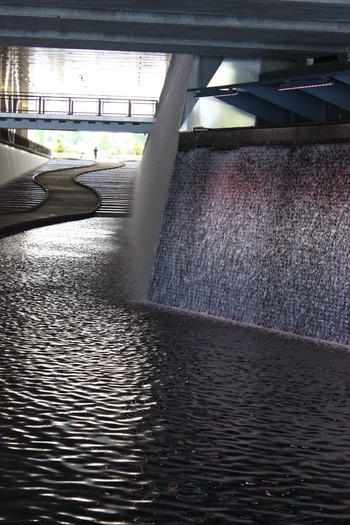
[66,199]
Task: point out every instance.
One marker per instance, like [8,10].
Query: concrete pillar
[153,179]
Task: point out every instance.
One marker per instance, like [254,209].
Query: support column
[153,179]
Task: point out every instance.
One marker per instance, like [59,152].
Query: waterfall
[260,234]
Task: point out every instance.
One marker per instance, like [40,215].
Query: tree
[59,147]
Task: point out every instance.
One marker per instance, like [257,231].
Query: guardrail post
[129,108]
[3,103]
[70,106]
[99,107]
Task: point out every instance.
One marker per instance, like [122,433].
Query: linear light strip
[217,96]
[306,86]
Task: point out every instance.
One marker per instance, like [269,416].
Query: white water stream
[260,235]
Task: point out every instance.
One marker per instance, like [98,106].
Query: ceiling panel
[82,71]
[268,29]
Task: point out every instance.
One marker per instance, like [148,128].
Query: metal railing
[78,105]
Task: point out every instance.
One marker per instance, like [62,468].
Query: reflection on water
[114,413]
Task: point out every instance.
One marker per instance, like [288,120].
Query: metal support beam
[343,76]
[338,95]
[297,102]
[262,109]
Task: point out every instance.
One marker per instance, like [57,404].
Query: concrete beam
[75,123]
[45,16]
[224,139]
[312,9]
[244,28]
[229,48]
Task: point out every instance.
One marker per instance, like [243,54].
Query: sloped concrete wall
[153,178]
[14,161]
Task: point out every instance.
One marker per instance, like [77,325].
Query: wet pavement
[65,198]
[113,412]
[21,193]
[115,187]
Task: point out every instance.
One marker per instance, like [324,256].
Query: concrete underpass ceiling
[283,29]
[82,72]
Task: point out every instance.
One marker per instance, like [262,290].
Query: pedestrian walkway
[66,199]
[115,187]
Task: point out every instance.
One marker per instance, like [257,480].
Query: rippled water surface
[113,413]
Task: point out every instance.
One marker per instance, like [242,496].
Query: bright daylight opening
[47,78]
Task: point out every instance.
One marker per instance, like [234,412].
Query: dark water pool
[113,413]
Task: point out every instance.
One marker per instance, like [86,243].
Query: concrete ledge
[231,138]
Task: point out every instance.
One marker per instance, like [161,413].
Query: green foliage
[59,148]
[137,148]
[81,144]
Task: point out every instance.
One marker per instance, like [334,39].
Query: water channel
[114,412]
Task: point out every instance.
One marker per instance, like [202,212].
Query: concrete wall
[260,234]
[213,113]
[14,161]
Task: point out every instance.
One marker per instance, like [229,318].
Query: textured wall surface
[260,235]
[14,161]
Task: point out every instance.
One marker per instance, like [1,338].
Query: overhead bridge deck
[71,113]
